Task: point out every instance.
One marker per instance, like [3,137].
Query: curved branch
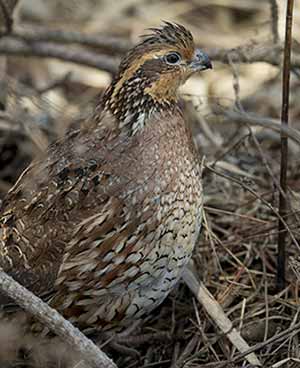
[52,44]
[18,47]
[34,34]
[268,53]
[54,321]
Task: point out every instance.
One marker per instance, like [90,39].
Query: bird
[102,225]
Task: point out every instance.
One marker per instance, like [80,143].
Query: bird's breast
[123,261]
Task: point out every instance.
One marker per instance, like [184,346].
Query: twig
[244,54]
[284,146]
[217,314]
[54,321]
[7,17]
[264,160]
[59,82]
[18,47]
[252,119]
[38,34]
[235,82]
[250,190]
[274,17]
[252,54]
[279,337]
[27,44]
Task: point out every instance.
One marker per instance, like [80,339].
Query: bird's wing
[63,205]
[40,212]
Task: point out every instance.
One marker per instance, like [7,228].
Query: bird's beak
[200,61]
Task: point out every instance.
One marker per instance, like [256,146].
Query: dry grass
[236,254]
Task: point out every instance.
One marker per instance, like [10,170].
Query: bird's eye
[173,58]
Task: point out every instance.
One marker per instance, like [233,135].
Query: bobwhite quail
[105,223]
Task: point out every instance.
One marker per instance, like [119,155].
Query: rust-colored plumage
[104,224]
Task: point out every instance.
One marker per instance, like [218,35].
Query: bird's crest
[172,34]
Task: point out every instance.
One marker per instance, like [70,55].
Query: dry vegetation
[234,111]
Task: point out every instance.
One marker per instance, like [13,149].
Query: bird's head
[151,72]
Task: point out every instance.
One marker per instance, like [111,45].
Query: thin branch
[266,203]
[294,330]
[217,314]
[252,119]
[268,53]
[38,34]
[274,17]
[18,47]
[284,146]
[54,321]
[7,17]
[26,43]
[244,54]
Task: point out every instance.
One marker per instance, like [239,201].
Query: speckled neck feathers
[129,102]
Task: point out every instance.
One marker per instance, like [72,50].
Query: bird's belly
[163,267]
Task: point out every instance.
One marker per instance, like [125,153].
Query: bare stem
[274,16]
[8,20]
[282,234]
